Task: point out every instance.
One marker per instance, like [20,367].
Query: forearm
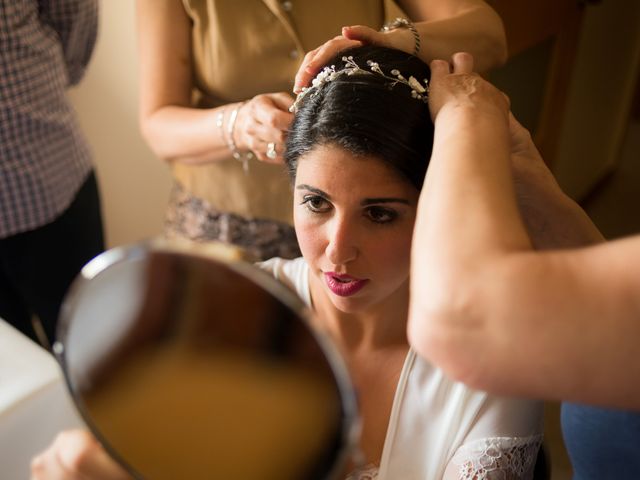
[467,209]
[485,306]
[478,31]
[467,222]
[459,26]
[188,135]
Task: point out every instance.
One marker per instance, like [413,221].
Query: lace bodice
[498,458]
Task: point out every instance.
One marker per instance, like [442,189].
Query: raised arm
[444,27]
[447,27]
[486,306]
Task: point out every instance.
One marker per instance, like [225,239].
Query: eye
[381,214]
[316,204]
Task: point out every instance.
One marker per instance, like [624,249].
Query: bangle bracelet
[404,23]
[244,158]
[220,122]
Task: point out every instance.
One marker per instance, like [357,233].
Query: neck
[380,326]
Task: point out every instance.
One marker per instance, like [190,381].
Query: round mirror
[190,366]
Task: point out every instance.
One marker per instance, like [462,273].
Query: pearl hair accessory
[419,91]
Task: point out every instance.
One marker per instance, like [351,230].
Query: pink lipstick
[343,285]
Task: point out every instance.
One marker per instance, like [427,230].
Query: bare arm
[485,305]
[173,128]
[447,27]
[444,26]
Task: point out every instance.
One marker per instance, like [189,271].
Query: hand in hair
[263,120]
[455,85]
[76,455]
[354,36]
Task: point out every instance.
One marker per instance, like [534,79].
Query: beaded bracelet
[241,157]
[404,23]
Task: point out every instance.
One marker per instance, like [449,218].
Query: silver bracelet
[241,157]
[404,23]
[220,123]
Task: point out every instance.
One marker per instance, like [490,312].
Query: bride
[357,153]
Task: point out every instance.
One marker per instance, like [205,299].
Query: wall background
[134,184]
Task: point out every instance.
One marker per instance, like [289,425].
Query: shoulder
[294,274]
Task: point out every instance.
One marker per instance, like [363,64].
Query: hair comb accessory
[419,91]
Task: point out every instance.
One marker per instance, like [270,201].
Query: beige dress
[241,49]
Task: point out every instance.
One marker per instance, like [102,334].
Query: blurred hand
[354,36]
[455,85]
[262,120]
[76,455]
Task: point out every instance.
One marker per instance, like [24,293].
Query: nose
[342,245]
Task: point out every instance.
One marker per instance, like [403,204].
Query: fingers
[282,100]
[80,451]
[76,455]
[439,69]
[262,126]
[363,34]
[455,84]
[315,59]
[272,110]
[462,63]
[46,466]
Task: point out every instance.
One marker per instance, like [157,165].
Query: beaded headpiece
[419,91]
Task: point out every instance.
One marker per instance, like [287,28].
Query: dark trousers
[37,267]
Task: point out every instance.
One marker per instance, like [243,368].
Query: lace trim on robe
[503,458]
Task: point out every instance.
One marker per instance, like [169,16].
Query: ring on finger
[271,150]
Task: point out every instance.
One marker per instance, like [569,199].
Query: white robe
[439,428]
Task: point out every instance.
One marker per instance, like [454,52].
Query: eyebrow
[371,201]
[364,202]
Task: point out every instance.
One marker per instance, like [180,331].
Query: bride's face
[354,220]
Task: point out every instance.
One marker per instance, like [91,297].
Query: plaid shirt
[45,46]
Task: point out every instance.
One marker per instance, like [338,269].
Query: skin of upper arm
[558,325]
[164,48]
